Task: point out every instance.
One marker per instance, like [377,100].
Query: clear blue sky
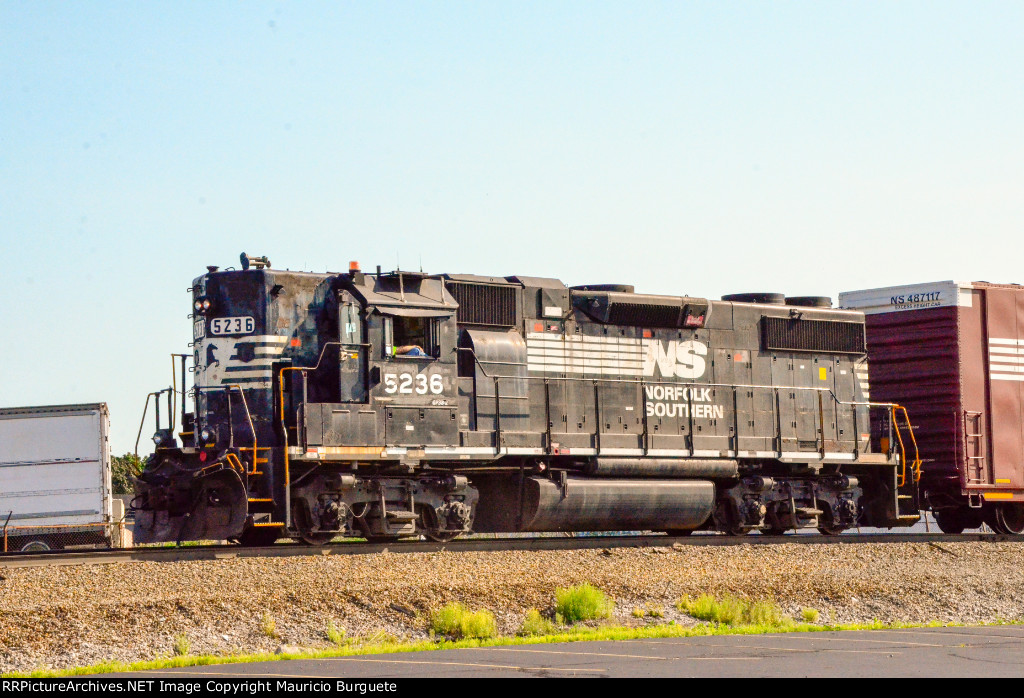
[684,147]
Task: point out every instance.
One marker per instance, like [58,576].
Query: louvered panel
[830,336]
[643,315]
[484,304]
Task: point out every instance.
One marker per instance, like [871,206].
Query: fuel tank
[591,504]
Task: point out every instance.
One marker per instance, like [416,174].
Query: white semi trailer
[55,489]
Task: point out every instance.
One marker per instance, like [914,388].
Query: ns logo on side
[679,359]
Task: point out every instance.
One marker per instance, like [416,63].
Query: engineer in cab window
[409,350]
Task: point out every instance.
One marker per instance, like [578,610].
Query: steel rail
[228,552]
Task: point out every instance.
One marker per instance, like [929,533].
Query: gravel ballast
[61,617]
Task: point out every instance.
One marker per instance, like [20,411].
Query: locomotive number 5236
[408,383]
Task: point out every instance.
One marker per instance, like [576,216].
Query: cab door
[352,357]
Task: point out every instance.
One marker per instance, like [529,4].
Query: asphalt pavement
[925,652]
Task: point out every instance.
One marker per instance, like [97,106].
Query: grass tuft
[456,621]
[765,613]
[536,624]
[335,634]
[728,611]
[810,615]
[648,611]
[181,645]
[268,625]
[583,602]
[733,611]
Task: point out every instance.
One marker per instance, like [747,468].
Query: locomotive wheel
[430,527]
[679,532]
[828,525]
[772,531]
[305,526]
[949,521]
[1008,519]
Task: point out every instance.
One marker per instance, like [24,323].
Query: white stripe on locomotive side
[587,355]
[994,358]
[1006,369]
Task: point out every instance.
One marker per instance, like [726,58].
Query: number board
[232,325]
[414,383]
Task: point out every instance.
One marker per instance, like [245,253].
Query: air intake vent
[484,304]
[641,310]
[826,336]
[639,315]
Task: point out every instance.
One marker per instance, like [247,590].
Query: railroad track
[228,552]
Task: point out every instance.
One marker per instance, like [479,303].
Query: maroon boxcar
[953,354]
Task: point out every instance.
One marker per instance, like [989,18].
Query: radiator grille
[484,304]
[642,315]
[827,336]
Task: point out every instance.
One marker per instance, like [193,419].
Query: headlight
[157,438]
[205,435]
[206,304]
[198,305]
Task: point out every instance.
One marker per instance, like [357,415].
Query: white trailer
[55,486]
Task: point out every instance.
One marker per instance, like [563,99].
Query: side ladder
[975,460]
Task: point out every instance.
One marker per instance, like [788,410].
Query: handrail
[248,417]
[284,427]
[145,409]
[233,461]
[916,467]
[643,384]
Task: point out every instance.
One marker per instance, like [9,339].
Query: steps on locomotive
[401,516]
[908,506]
[261,504]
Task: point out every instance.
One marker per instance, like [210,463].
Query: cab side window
[411,337]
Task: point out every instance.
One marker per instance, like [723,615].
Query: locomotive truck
[388,405]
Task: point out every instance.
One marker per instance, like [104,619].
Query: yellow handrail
[916,467]
[284,431]
[233,461]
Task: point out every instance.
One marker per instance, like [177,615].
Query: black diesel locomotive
[402,404]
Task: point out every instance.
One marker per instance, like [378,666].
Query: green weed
[335,634]
[456,621]
[181,645]
[583,602]
[268,625]
[733,611]
[810,615]
[536,624]
[764,613]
